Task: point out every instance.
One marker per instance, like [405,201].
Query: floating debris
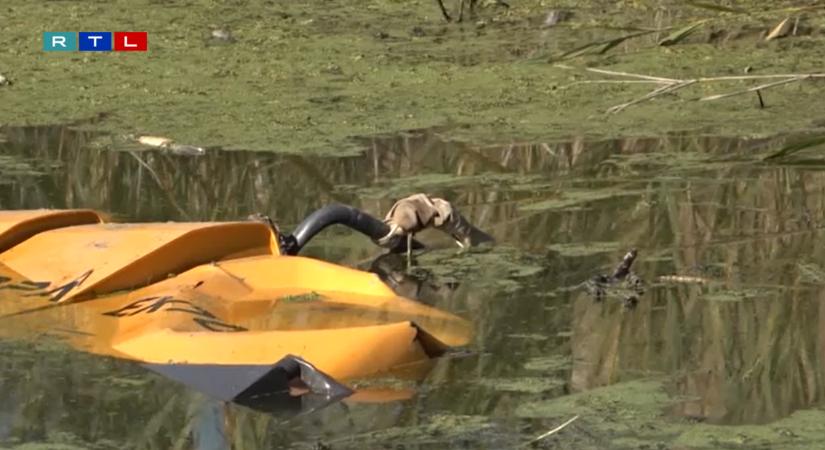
[220,36]
[687,279]
[154,141]
[780,30]
[169,144]
[554,17]
[680,34]
[4,81]
[633,287]
[551,432]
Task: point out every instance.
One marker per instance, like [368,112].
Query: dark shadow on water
[744,346]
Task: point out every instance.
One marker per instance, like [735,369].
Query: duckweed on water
[733,295]
[548,363]
[573,249]
[473,265]
[578,198]
[311,76]
[532,385]
[432,431]
[811,272]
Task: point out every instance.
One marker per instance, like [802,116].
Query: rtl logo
[95,41]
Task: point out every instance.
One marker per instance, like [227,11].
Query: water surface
[736,343]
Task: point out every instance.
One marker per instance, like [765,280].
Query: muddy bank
[300,77]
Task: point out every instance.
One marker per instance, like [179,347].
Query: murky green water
[736,361]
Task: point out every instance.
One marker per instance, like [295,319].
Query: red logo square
[130,41]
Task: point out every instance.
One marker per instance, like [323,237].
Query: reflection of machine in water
[418,284]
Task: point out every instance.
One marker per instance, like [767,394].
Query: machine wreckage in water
[226,308]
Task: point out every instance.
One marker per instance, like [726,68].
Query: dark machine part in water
[263,388]
[342,215]
[291,244]
[600,284]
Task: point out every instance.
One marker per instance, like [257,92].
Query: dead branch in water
[624,267]
[666,89]
[670,85]
[755,88]
[551,432]
[166,190]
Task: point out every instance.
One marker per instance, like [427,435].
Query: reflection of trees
[753,359]
[747,348]
[49,393]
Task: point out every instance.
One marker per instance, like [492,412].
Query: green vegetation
[312,76]
[510,127]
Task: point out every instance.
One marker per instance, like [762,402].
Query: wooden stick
[698,79]
[633,75]
[551,432]
[614,82]
[652,94]
[673,84]
[763,77]
[804,76]
[755,88]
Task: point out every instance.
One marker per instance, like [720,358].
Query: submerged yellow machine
[227,308]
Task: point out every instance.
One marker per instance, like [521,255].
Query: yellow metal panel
[88,260]
[342,353]
[17,226]
[240,309]
[298,293]
[211,315]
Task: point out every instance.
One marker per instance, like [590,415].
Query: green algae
[578,198]
[509,268]
[54,446]
[432,431]
[302,298]
[67,441]
[632,415]
[800,430]
[617,414]
[547,363]
[811,272]
[399,187]
[311,77]
[57,398]
[531,385]
[573,249]
[733,295]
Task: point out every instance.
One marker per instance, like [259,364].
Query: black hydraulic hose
[347,216]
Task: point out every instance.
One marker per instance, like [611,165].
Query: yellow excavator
[228,308]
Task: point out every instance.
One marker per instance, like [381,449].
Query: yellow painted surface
[17,226]
[92,260]
[236,310]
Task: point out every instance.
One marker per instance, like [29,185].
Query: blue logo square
[59,41]
[94,41]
